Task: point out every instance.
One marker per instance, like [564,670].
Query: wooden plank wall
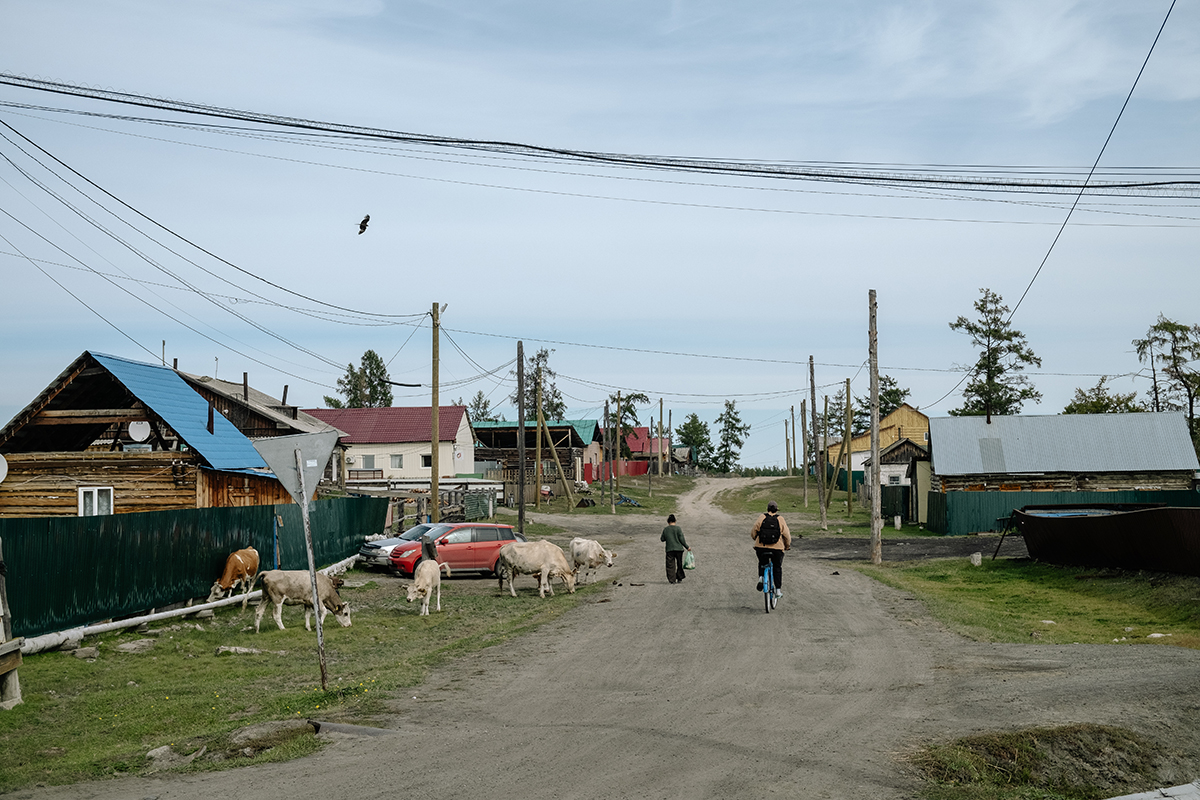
[46,484]
[229,489]
[1067,482]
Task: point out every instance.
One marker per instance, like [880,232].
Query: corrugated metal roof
[391,425]
[186,412]
[586,428]
[261,402]
[1062,443]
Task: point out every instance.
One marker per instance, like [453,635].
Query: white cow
[546,560]
[587,555]
[293,587]
[427,578]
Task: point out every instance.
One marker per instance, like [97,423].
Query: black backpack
[768,531]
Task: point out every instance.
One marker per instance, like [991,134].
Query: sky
[693,288]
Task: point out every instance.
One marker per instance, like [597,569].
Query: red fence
[599,472]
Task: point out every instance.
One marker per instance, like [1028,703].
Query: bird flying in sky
[362,226]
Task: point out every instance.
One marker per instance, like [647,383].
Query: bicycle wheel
[768,578]
[774,598]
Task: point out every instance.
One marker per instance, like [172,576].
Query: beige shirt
[785,536]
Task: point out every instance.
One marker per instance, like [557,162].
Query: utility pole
[876,516]
[817,449]
[617,445]
[649,464]
[803,447]
[787,449]
[521,437]
[660,437]
[849,454]
[608,435]
[670,440]
[794,450]
[434,460]
[537,404]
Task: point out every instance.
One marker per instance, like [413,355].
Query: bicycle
[768,586]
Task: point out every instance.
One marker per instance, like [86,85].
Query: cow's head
[342,612]
[568,578]
[608,557]
[218,592]
[416,592]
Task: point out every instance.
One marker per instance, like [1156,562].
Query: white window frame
[427,461]
[94,492]
[363,458]
[893,480]
[397,460]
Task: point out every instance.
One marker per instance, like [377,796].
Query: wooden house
[575,442]
[111,436]
[905,422]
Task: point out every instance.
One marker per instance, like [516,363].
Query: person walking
[771,537]
[676,544]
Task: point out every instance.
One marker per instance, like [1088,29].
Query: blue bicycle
[768,586]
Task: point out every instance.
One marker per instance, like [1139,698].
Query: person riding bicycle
[771,537]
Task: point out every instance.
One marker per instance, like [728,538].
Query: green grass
[789,494]
[1011,600]
[83,721]
[1073,762]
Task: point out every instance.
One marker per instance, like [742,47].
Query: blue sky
[687,263]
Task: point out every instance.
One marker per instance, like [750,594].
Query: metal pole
[312,570]
[434,460]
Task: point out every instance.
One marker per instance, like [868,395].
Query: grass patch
[665,500]
[789,494]
[1073,762]
[1011,600]
[84,720]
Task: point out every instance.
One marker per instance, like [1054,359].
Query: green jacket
[673,536]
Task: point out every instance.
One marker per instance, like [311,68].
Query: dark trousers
[674,566]
[766,554]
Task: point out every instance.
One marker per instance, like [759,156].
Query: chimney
[283,401]
[246,386]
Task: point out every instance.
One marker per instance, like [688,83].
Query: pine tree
[733,436]
[364,387]
[997,385]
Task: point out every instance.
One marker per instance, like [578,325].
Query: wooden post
[803,449]
[537,467]
[620,438]
[10,650]
[521,437]
[660,437]
[794,450]
[876,517]
[817,448]
[670,441]
[787,449]
[554,452]
[608,436]
[849,453]
[312,570]
[650,463]
[435,439]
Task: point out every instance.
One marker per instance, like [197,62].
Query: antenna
[139,430]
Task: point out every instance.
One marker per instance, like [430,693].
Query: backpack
[768,531]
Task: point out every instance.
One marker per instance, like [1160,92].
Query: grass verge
[96,718]
[1017,600]
[789,494]
[1073,762]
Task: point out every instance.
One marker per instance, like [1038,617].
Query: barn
[112,436]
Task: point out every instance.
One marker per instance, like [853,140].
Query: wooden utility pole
[660,437]
[434,460]
[849,454]
[649,463]
[876,517]
[608,438]
[618,439]
[794,450]
[521,437]
[787,449]
[670,443]
[537,405]
[803,448]
[817,448]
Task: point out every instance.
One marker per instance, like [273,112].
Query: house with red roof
[397,443]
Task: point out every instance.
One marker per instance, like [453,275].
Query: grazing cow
[427,578]
[241,568]
[587,555]
[293,587]
[545,560]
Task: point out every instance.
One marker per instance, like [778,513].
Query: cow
[241,569]
[587,555]
[426,578]
[293,587]
[546,560]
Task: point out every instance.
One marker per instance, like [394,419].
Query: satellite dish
[3,469]
[139,431]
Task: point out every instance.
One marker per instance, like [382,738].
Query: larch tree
[695,434]
[537,367]
[732,437]
[1170,347]
[997,383]
[364,387]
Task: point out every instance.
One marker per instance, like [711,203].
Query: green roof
[588,429]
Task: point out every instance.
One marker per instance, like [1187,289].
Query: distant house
[905,422]
[397,443]
[576,442]
[111,435]
[980,472]
[895,460]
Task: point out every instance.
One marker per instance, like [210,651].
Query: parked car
[379,552]
[465,546]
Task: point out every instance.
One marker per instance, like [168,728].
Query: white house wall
[455,458]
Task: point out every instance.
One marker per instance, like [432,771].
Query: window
[368,462]
[460,536]
[927,436]
[487,535]
[427,461]
[397,461]
[95,501]
[893,480]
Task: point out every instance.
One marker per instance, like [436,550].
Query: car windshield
[415,534]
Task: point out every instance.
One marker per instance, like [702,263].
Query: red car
[465,546]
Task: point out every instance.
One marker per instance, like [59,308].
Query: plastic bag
[689,560]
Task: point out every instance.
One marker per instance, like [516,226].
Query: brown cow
[241,568]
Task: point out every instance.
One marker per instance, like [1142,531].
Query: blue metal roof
[1135,442]
[169,396]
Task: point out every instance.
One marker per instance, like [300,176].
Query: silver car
[378,553]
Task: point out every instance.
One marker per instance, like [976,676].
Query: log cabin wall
[231,489]
[47,484]
[1066,482]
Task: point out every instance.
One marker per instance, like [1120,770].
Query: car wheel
[415,563]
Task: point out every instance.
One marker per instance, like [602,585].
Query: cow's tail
[445,566]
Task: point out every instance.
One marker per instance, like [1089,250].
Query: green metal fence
[958,513]
[69,571]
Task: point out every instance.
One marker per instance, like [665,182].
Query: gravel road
[690,690]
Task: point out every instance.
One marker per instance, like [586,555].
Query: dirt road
[690,690]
